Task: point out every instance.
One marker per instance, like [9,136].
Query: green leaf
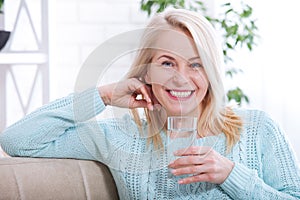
[181,3]
[1,4]
[232,30]
[147,6]
[228,11]
[223,24]
[226,4]
[237,95]
[240,38]
[229,73]
[229,45]
[200,3]
[249,45]
[247,12]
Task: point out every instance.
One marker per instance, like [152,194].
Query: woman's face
[176,74]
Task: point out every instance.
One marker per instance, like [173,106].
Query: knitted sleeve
[280,177]
[60,129]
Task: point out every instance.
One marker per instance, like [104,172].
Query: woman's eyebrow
[166,56]
[172,58]
[194,58]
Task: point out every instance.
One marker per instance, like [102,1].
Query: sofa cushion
[39,178]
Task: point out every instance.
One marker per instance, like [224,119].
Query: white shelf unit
[27,47]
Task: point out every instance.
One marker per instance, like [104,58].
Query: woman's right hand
[124,94]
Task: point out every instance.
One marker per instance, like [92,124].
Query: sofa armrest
[59,179]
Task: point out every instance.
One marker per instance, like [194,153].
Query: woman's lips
[180,94]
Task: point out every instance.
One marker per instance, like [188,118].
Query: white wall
[77,28]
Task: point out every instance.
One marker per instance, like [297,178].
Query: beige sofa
[57,179]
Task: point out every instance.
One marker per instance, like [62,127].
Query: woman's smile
[180,94]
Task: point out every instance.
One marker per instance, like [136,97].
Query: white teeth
[180,94]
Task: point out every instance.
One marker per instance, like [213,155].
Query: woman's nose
[180,76]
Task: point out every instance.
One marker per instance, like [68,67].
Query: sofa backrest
[57,179]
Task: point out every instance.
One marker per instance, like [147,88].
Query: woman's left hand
[203,163]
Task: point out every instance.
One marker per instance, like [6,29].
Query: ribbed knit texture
[265,166]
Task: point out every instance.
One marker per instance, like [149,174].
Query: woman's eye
[167,64]
[196,65]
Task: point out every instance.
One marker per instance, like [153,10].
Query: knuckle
[135,81]
[132,80]
[178,171]
[210,150]
[211,176]
[190,159]
[194,170]
[211,160]
[194,150]
[214,168]
[197,178]
[198,160]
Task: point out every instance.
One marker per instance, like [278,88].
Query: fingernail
[180,181]
[157,107]
[171,163]
[151,107]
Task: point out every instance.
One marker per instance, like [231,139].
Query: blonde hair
[215,116]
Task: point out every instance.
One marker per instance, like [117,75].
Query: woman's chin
[179,112]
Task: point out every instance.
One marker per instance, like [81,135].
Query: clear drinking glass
[182,133]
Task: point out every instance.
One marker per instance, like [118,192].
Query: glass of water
[182,134]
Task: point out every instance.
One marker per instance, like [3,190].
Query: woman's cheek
[201,81]
[157,93]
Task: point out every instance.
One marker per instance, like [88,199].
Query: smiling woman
[177,71]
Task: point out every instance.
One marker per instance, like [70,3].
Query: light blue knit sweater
[265,167]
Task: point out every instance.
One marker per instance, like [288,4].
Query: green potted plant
[238,29]
[4,35]
[1,4]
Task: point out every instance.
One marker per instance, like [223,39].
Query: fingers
[193,150]
[205,177]
[139,103]
[152,96]
[187,160]
[205,172]
[131,93]
[195,155]
[191,169]
[146,91]
[202,164]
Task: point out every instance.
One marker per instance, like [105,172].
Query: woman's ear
[147,78]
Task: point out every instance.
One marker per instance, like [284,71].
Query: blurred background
[50,40]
